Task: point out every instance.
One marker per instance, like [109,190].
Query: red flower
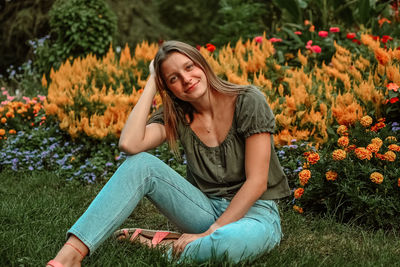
[392,86]
[198,47]
[275,40]
[313,48]
[258,39]
[394,100]
[334,29]
[298,33]
[323,34]
[351,35]
[356,41]
[210,47]
[386,38]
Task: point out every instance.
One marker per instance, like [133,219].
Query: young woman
[225,206]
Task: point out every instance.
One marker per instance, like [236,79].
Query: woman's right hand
[151,67]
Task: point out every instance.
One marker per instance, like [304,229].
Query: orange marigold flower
[394,147]
[380,156]
[3,120]
[331,175]
[298,209]
[366,121]
[342,130]
[363,153]
[391,139]
[351,147]
[392,86]
[343,141]
[298,193]
[304,176]
[12,131]
[10,114]
[377,141]
[313,158]
[339,154]
[398,182]
[373,148]
[2,132]
[390,156]
[378,126]
[376,177]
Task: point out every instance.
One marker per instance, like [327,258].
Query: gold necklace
[208,129]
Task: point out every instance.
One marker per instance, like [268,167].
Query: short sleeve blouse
[220,171]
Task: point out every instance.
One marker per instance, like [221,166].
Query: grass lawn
[37,208]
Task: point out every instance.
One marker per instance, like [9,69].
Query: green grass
[36,209]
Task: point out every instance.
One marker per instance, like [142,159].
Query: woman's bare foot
[72,253]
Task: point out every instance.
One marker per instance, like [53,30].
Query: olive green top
[220,171]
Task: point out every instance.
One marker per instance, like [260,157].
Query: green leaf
[364,11]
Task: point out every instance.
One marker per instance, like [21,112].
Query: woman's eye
[172,79]
[189,67]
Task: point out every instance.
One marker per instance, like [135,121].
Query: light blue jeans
[184,205]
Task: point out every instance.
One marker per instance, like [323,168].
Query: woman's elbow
[127,148]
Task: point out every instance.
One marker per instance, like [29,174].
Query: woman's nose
[186,78]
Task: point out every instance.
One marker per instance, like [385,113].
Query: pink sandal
[156,236]
[55,263]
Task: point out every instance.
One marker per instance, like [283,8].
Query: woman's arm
[257,157]
[136,136]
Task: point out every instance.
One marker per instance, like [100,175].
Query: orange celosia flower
[377,141]
[298,193]
[2,132]
[366,121]
[376,177]
[363,153]
[313,158]
[394,147]
[390,156]
[373,148]
[298,209]
[339,154]
[343,141]
[331,175]
[342,130]
[304,176]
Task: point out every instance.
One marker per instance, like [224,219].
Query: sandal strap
[55,263]
[135,234]
[158,237]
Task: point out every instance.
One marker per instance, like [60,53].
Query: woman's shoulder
[250,97]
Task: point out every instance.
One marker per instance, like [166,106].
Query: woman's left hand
[185,239]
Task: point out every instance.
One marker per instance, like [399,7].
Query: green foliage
[21,21]
[354,195]
[240,19]
[78,28]
[194,22]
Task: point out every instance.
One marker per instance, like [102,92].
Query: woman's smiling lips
[191,87]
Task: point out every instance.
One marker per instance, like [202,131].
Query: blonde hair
[174,108]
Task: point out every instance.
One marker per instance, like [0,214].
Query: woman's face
[186,81]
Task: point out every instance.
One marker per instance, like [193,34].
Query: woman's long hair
[174,108]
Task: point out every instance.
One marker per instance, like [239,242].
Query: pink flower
[298,32]
[313,48]
[5,102]
[5,93]
[351,35]
[323,34]
[27,99]
[334,29]
[10,98]
[3,88]
[275,40]
[258,39]
[42,98]
[316,49]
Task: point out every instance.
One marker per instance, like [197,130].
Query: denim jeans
[144,175]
